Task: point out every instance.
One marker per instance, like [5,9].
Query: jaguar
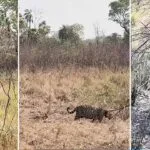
[89,112]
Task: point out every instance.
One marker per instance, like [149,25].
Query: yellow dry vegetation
[8,137]
[51,92]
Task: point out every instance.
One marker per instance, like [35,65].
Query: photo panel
[140,55]
[8,74]
[74,74]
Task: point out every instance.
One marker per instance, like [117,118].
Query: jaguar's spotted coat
[89,112]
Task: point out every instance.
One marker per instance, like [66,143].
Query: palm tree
[29,17]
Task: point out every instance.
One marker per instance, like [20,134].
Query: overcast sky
[67,12]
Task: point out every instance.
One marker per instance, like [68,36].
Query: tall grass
[105,55]
[89,86]
[8,135]
[53,90]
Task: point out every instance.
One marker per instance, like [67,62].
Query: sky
[89,13]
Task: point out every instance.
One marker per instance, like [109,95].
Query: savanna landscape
[8,75]
[45,123]
[66,70]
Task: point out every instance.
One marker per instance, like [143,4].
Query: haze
[67,12]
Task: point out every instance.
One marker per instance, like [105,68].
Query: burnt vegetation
[140,74]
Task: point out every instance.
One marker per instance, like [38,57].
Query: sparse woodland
[63,68]
[8,74]
[41,49]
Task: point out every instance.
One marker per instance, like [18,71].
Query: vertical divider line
[130,75]
[18,79]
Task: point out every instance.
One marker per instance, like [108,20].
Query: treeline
[40,48]
[8,32]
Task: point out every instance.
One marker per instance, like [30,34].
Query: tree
[28,17]
[10,4]
[33,35]
[22,24]
[71,33]
[119,13]
[113,38]
[8,24]
[44,29]
[99,35]
[8,14]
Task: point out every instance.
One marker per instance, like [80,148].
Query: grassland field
[52,91]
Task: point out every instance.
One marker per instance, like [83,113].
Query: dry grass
[49,93]
[8,137]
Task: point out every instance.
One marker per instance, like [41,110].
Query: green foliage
[44,29]
[8,14]
[119,13]
[9,4]
[22,24]
[33,35]
[71,33]
[8,32]
[30,34]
